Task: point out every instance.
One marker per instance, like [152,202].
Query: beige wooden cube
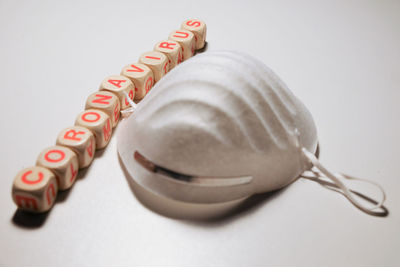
[99,123]
[141,76]
[157,62]
[118,85]
[35,189]
[198,28]
[186,39]
[107,102]
[172,50]
[81,141]
[63,162]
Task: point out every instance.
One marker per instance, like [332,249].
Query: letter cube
[172,50]
[63,162]
[35,189]
[81,141]
[99,123]
[118,85]
[157,62]
[141,76]
[107,102]
[198,28]
[186,40]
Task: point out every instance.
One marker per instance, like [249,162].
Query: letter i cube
[63,162]
[198,28]
[186,40]
[107,102]
[99,123]
[157,62]
[35,189]
[118,85]
[81,141]
[141,76]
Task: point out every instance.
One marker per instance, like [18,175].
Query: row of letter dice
[152,66]
[35,188]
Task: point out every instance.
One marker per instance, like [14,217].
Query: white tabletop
[341,58]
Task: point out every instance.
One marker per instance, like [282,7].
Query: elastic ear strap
[128,111]
[336,179]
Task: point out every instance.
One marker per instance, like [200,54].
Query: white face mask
[221,126]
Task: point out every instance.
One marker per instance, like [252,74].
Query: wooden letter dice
[157,62]
[35,189]
[99,123]
[118,85]
[107,102]
[141,76]
[63,162]
[81,141]
[172,50]
[198,28]
[186,40]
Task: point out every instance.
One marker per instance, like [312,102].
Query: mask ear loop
[335,178]
[128,111]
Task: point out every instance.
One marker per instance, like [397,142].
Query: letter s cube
[198,28]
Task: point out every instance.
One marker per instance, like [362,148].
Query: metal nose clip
[192,180]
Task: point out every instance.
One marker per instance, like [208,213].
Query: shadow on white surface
[29,220]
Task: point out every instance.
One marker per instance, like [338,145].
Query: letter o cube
[35,189]
[81,141]
[63,162]
[99,123]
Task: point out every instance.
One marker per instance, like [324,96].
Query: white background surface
[341,58]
